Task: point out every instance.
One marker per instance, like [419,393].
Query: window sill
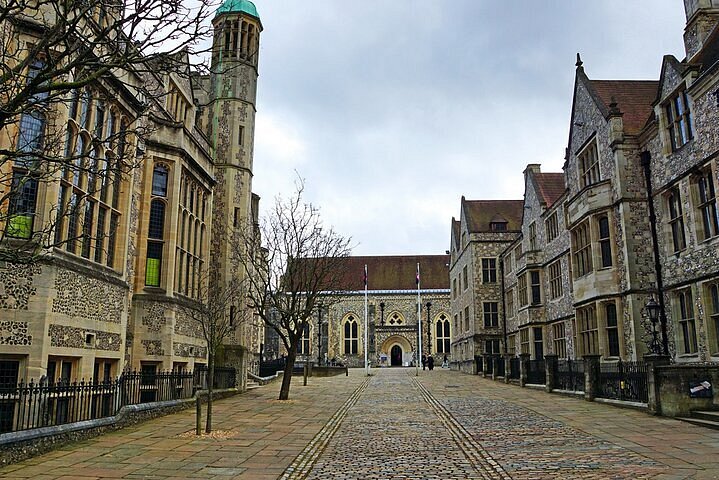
[688,355]
[152,289]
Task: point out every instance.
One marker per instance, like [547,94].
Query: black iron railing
[624,381]
[33,405]
[570,375]
[536,372]
[514,368]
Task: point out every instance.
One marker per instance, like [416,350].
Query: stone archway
[395,351]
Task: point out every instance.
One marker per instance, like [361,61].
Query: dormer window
[498,226]
[679,120]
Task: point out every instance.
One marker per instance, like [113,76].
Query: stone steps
[704,418]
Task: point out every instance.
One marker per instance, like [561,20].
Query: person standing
[424,361]
[430,362]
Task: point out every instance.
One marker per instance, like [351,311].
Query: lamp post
[429,329]
[653,309]
[381,309]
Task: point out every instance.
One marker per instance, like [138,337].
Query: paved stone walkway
[394,425]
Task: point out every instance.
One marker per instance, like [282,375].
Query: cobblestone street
[394,425]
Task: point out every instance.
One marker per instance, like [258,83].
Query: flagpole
[366,329]
[419,324]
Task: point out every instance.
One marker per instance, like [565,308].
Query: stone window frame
[489,346]
[551,226]
[88,216]
[454,288]
[678,121]
[582,249]
[241,41]
[554,270]
[395,318]
[177,105]
[711,297]
[466,319]
[559,339]
[304,345]
[675,220]
[511,343]
[191,236]
[490,313]
[158,245]
[686,331]
[67,371]
[443,333]
[465,278]
[509,295]
[533,236]
[587,330]
[535,286]
[522,298]
[524,343]
[350,335]
[705,200]
[612,329]
[588,165]
[489,270]
[604,240]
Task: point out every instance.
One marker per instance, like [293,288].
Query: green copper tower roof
[238,6]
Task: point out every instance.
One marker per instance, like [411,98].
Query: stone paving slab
[440,424]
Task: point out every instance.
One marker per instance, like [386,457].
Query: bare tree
[214,312]
[297,263]
[59,57]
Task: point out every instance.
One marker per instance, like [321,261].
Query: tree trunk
[210,386]
[287,376]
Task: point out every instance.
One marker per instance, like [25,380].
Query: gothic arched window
[351,336]
[442,335]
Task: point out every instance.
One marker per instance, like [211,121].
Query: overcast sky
[393,109]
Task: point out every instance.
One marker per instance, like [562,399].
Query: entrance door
[396,354]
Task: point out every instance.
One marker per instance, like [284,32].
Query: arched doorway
[396,356]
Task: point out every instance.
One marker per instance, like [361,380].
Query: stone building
[537,286]
[138,242]
[633,217]
[392,313]
[680,147]
[483,231]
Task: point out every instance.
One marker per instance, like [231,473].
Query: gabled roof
[480,213]
[634,99]
[549,186]
[395,272]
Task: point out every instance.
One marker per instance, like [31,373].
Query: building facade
[137,239]
[633,217]
[337,332]
[484,230]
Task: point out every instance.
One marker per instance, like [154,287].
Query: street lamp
[429,329]
[381,309]
[653,309]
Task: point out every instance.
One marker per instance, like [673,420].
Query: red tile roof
[480,213]
[634,99]
[393,272]
[550,187]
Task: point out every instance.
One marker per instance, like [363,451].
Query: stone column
[507,366]
[495,366]
[591,376]
[653,361]
[523,368]
[550,365]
